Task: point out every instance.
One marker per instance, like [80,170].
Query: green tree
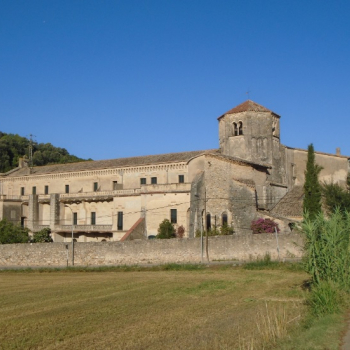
[166,230]
[312,187]
[10,233]
[336,197]
[42,236]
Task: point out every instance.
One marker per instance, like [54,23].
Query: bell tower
[250,132]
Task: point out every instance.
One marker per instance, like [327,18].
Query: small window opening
[34,190]
[22,191]
[75,218]
[181,179]
[224,219]
[173,216]
[208,222]
[46,189]
[95,186]
[153,180]
[143,181]
[67,189]
[240,128]
[93,218]
[120,221]
[235,129]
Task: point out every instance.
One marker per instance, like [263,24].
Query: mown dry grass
[206,309]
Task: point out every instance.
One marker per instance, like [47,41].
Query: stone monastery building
[250,175]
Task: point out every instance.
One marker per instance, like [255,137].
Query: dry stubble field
[216,308]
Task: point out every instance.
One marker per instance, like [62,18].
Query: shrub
[264,226]
[326,298]
[42,236]
[10,233]
[222,231]
[226,230]
[327,260]
[166,230]
[180,232]
[327,248]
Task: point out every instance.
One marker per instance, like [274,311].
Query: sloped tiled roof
[248,106]
[110,163]
[291,205]
[218,155]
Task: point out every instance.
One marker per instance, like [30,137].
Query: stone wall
[236,247]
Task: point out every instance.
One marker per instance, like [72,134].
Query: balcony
[166,188]
[5,197]
[98,196]
[83,228]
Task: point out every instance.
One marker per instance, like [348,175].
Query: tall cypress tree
[312,187]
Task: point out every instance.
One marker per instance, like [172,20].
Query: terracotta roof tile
[248,106]
[291,205]
[109,164]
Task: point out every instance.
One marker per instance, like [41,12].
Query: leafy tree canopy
[10,233]
[13,147]
[43,236]
[336,197]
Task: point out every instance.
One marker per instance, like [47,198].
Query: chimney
[337,151]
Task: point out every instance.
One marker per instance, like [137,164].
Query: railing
[10,197]
[131,191]
[84,228]
[177,187]
[87,194]
[98,194]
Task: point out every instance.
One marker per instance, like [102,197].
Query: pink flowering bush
[264,226]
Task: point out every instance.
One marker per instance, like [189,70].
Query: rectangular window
[75,218]
[95,186]
[22,191]
[143,181]
[181,179]
[120,221]
[115,185]
[173,216]
[93,218]
[34,190]
[153,180]
[67,189]
[46,189]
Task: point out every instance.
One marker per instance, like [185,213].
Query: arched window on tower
[240,128]
[224,219]
[235,129]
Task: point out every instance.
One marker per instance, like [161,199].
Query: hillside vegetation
[13,147]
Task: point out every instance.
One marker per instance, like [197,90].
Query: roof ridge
[248,106]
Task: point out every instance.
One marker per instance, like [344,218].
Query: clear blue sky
[108,79]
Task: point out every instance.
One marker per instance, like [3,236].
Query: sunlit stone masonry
[250,175]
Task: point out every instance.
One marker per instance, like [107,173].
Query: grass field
[215,308]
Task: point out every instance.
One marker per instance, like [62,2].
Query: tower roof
[248,106]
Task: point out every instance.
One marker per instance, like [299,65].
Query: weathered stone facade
[248,176]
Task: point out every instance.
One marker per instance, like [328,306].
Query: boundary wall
[156,251]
